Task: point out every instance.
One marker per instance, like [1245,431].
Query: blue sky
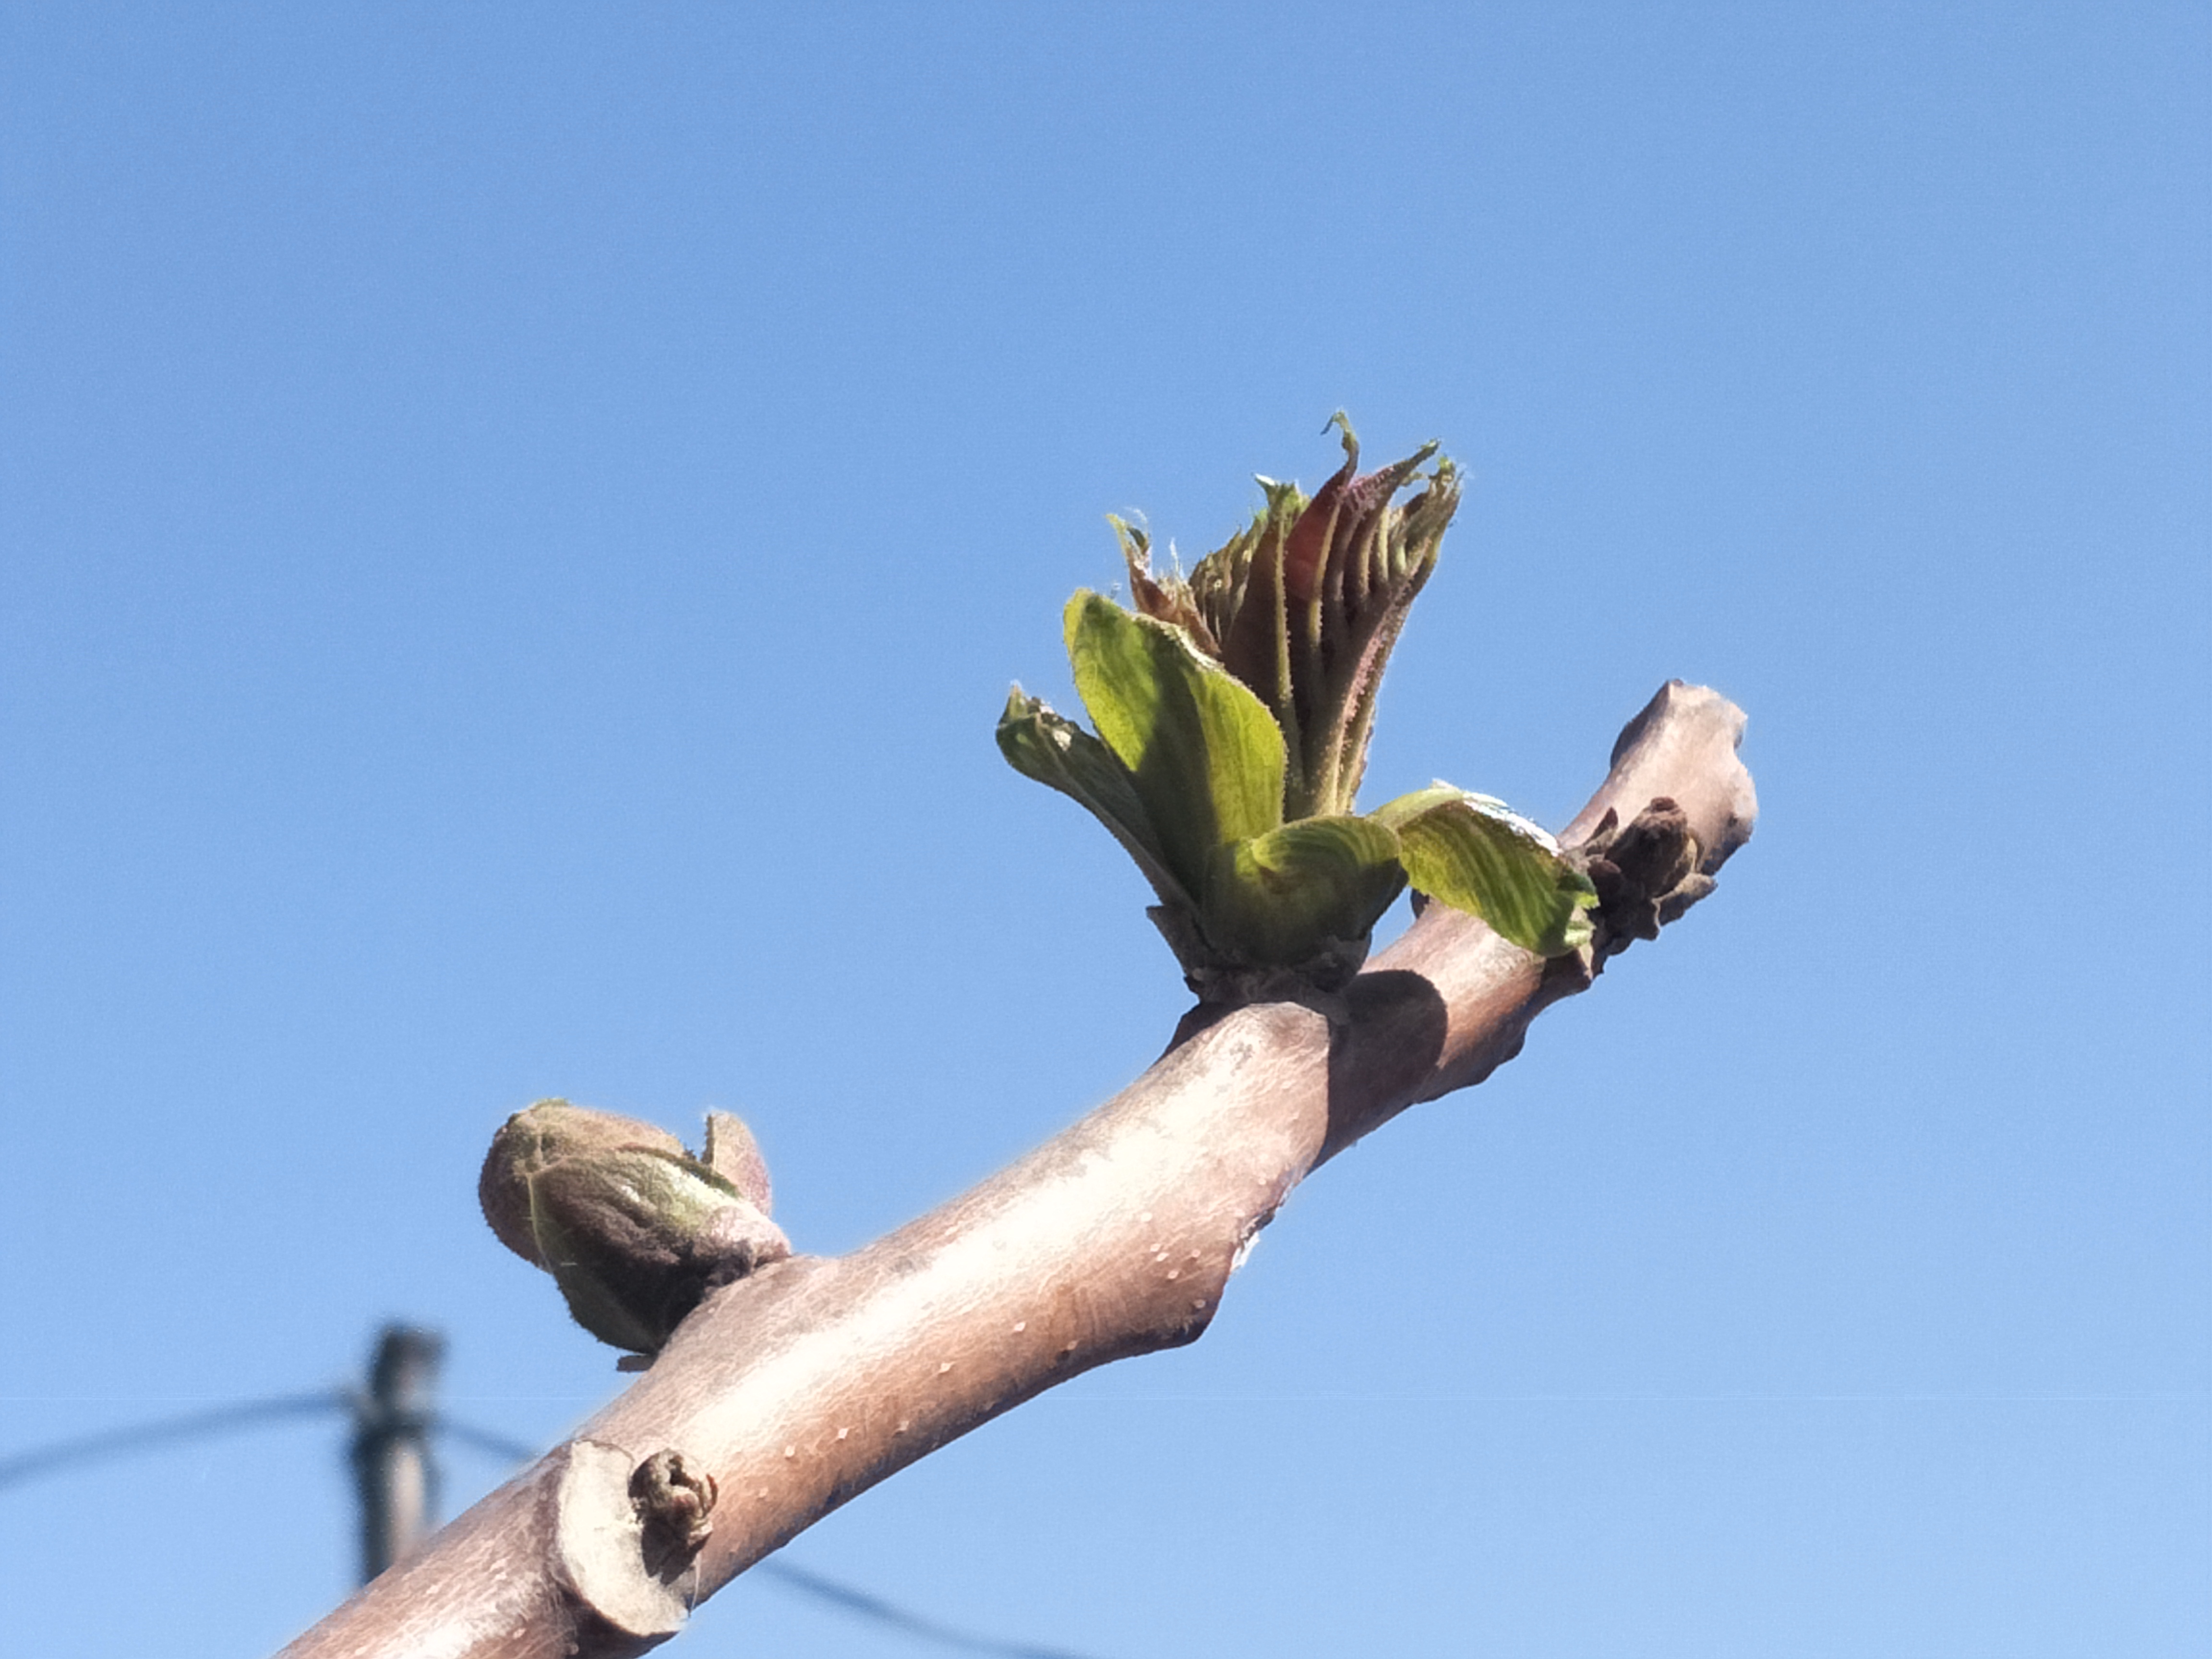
[515,526]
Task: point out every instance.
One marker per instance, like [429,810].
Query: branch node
[619,1532]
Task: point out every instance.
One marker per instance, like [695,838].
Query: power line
[52,1459]
[485,1440]
[863,1604]
[391,1420]
[143,1437]
[846,1598]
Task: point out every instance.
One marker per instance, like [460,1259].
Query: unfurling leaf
[1060,754]
[1202,752]
[1473,854]
[1301,892]
[1304,605]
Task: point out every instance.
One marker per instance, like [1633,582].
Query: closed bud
[634,1229]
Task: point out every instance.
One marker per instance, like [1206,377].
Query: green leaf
[1280,899]
[1206,757]
[1060,754]
[1473,854]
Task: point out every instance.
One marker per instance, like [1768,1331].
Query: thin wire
[192,1425]
[846,1598]
[485,1440]
[223,1419]
[867,1606]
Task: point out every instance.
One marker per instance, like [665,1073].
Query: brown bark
[805,1384]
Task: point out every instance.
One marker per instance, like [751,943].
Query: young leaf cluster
[1233,711]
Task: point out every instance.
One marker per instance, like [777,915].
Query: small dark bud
[1646,873]
[673,1502]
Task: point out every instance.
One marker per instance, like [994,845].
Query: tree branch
[794,1390]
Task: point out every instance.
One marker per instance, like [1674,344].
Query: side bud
[634,1229]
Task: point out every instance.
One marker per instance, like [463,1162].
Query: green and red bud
[634,1229]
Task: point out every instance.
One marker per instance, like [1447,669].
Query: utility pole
[393,1471]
